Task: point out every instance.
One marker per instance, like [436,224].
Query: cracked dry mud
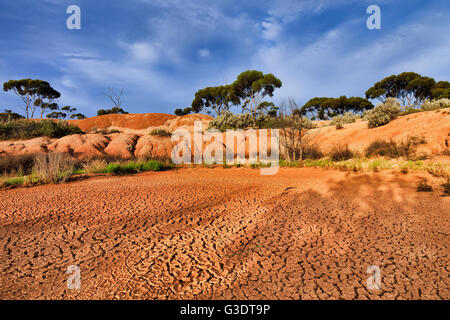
[201,233]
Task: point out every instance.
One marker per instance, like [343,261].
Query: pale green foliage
[298,123]
[229,120]
[347,117]
[435,104]
[383,113]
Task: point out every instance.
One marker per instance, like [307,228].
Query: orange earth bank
[134,139]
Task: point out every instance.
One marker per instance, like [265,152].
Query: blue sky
[162,51]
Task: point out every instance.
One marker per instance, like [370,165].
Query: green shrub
[435,104]
[229,120]
[341,153]
[383,113]
[26,129]
[16,181]
[118,168]
[160,132]
[9,116]
[133,167]
[339,121]
[151,165]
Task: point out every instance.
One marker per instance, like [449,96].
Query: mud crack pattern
[226,234]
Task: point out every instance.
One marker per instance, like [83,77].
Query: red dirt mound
[36,145]
[433,126]
[187,122]
[81,145]
[130,121]
[121,146]
[155,147]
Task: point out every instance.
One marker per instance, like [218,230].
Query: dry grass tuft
[94,166]
[53,167]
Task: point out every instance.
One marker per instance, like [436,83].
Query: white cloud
[289,10]
[66,82]
[204,53]
[335,65]
[271,29]
[141,52]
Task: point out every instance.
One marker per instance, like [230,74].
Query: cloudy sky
[162,51]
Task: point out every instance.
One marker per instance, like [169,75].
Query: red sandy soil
[200,233]
[131,121]
[433,126]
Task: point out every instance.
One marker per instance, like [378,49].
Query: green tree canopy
[408,87]
[440,90]
[56,115]
[324,108]
[269,108]
[33,93]
[114,110]
[8,115]
[78,116]
[182,112]
[213,99]
[68,109]
[249,90]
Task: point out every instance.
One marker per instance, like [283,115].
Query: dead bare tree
[295,133]
[115,97]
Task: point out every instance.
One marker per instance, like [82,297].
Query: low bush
[8,116]
[439,170]
[392,149]
[150,165]
[94,166]
[423,186]
[26,129]
[339,121]
[383,113]
[435,104]
[53,167]
[15,181]
[14,163]
[341,153]
[133,167]
[104,131]
[229,120]
[160,132]
[447,187]
[312,152]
